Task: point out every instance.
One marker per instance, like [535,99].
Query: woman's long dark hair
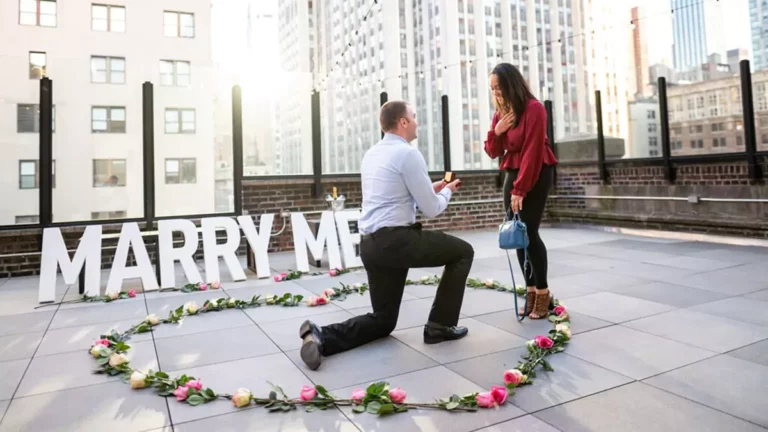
[514,88]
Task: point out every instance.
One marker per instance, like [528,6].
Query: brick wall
[276,196]
[478,205]
[716,179]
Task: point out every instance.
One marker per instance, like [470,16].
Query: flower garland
[293,275]
[378,398]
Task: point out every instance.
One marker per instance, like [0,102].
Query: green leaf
[161,375]
[386,409]
[373,407]
[102,361]
[287,407]
[401,409]
[195,400]
[452,405]
[272,395]
[376,388]
[209,393]
[323,392]
[274,407]
[359,409]
[547,366]
[310,408]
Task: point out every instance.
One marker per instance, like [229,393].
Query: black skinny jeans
[533,211]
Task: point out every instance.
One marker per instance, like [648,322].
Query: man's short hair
[391,113]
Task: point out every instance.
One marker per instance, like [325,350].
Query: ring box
[449,177]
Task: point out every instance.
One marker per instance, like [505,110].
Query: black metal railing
[666,159]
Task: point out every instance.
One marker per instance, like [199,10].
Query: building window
[108,119]
[175,73]
[739,140]
[108,18]
[179,121]
[179,24]
[109,172]
[180,171]
[29,174]
[723,142]
[37,13]
[37,62]
[27,220]
[28,118]
[108,70]
[118,214]
[651,127]
[715,142]
[651,114]
[653,141]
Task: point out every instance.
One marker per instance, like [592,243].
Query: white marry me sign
[88,253]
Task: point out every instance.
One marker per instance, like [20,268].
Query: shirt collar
[393,137]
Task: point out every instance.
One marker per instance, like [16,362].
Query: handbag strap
[514,284]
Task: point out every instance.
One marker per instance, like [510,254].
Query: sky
[731,16]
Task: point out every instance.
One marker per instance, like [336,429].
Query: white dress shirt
[395,181]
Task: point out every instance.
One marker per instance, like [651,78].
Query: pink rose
[499,394]
[215,285]
[484,400]
[559,310]
[358,395]
[278,278]
[308,393]
[181,393]
[321,301]
[513,376]
[195,384]
[397,395]
[104,342]
[132,293]
[333,272]
[330,292]
[283,276]
[543,342]
[203,286]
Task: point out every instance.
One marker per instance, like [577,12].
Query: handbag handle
[516,216]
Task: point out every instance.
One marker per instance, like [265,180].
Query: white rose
[153,319]
[138,380]
[270,299]
[564,329]
[191,308]
[424,279]
[231,302]
[116,359]
[241,398]
[114,295]
[96,350]
[489,283]
[357,285]
[530,344]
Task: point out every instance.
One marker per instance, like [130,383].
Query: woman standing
[519,135]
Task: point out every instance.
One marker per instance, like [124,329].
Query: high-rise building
[707,117]
[98,57]
[297,44]
[423,50]
[698,30]
[734,58]
[607,66]
[645,136]
[640,82]
[758,19]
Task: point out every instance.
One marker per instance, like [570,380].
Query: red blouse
[526,147]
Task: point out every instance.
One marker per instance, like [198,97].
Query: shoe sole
[304,329]
[436,340]
[310,354]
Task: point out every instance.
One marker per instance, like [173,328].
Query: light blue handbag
[513,235]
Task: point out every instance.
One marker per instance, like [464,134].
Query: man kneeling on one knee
[395,182]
